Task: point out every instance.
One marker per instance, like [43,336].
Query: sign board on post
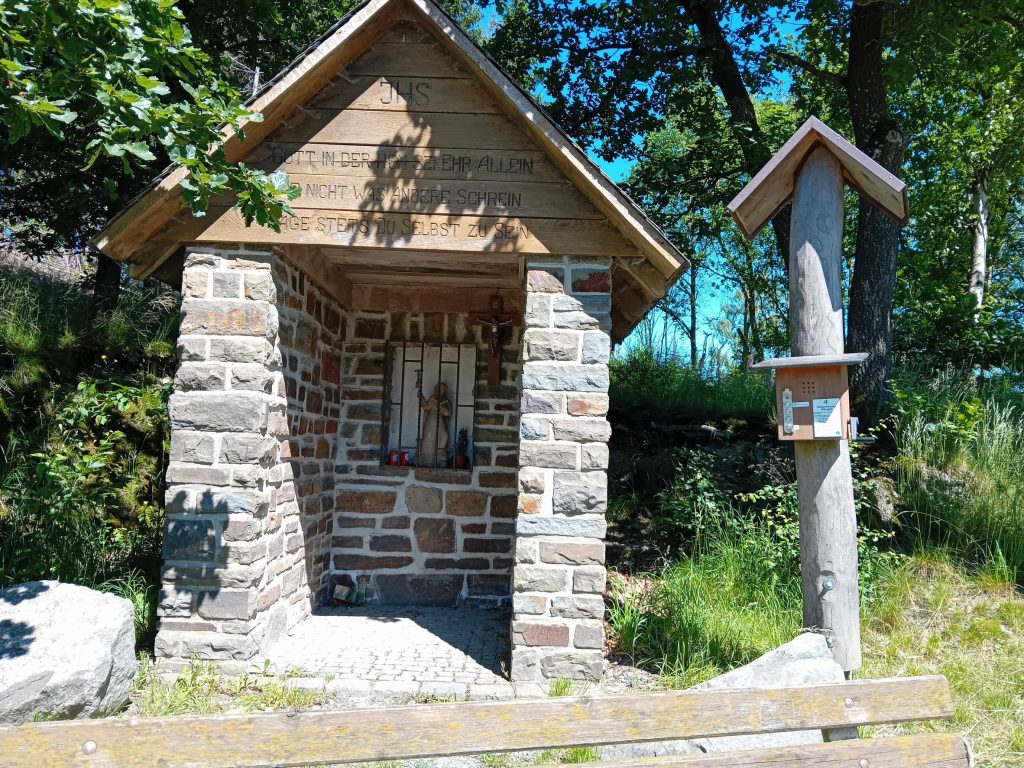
[812,389]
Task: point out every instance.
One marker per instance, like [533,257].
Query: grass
[199,690]
[960,464]
[640,381]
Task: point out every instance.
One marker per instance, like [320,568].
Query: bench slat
[304,738]
[931,750]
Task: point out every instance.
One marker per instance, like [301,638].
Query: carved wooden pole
[828,525]
[811,169]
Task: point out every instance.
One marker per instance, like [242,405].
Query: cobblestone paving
[401,651]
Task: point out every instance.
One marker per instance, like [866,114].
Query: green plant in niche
[461,460]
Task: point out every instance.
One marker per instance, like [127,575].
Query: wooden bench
[436,730]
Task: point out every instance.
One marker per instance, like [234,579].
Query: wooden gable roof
[326,112]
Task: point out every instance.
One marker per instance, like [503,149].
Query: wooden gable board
[772,186]
[414,141]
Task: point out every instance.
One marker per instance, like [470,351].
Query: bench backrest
[434,730]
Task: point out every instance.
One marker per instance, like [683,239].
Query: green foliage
[960,466]
[83,436]
[641,381]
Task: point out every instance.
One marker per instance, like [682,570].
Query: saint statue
[432,447]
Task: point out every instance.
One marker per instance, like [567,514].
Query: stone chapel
[403,393]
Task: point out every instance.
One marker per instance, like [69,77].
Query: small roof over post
[772,187]
[326,105]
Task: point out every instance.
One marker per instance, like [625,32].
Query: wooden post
[828,525]
[811,168]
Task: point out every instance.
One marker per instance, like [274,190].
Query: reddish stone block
[543,634]
[504,506]
[465,503]
[391,543]
[497,480]
[596,281]
[435,534]
[366,502]
[474,528]
[572,553]
[370,563]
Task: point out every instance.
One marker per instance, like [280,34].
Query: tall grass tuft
[960,464]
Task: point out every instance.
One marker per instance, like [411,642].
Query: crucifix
[495,333]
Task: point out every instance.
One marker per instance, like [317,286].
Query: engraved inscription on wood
[406,149]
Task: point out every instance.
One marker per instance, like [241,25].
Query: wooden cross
[495,333]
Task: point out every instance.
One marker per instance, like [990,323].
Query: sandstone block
[541,344]
[465,503]
[597,347]
[251,376]
[199,376]
[588,527]
[548,455]
[586,279]
[189,540]
[423,500]
[366,502]
[528,633]
[227,285]
[594,456]
[240,349]
[243,449]
[390,543]
[587,635]
[194,283]
[497,479]
[589,579]
[540,578]
[572,552]
[593,404]
[543,281]
[577,606]
[572,665]
[529,605]
[228,317]
[435,534]
[192,447]
[535,428]
[503,507]
[259,286]
[227,604]
[582,429]
[538,311]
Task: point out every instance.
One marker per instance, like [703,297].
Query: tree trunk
[742,118]
[107,287]
[979,230]
[877,249]
[694,362]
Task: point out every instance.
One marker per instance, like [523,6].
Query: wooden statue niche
[496,333]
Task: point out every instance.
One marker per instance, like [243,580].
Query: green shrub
[641,381]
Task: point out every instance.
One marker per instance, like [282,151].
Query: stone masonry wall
[250,481]
[420,535]
[559,577]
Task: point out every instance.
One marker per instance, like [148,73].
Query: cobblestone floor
[401,651]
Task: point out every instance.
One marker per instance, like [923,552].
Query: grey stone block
[565,377]
[535,428]
[538,310]
[542,402]
[582,429]
[540,344]
[594,456]
[597,347]
[579,493]
[189,540]
[591,527]
[577,606]
[572,665]
[204,645]
[540,578]
[548,455]
[227,604]
[588,636]
[218,411]
[589,579]
[197,377]
[192,447]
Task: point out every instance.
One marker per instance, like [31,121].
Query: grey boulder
[65,651]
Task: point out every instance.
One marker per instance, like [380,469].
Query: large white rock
[803,661]
[65,651]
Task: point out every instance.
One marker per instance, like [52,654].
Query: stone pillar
[227,417]
[559,578]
